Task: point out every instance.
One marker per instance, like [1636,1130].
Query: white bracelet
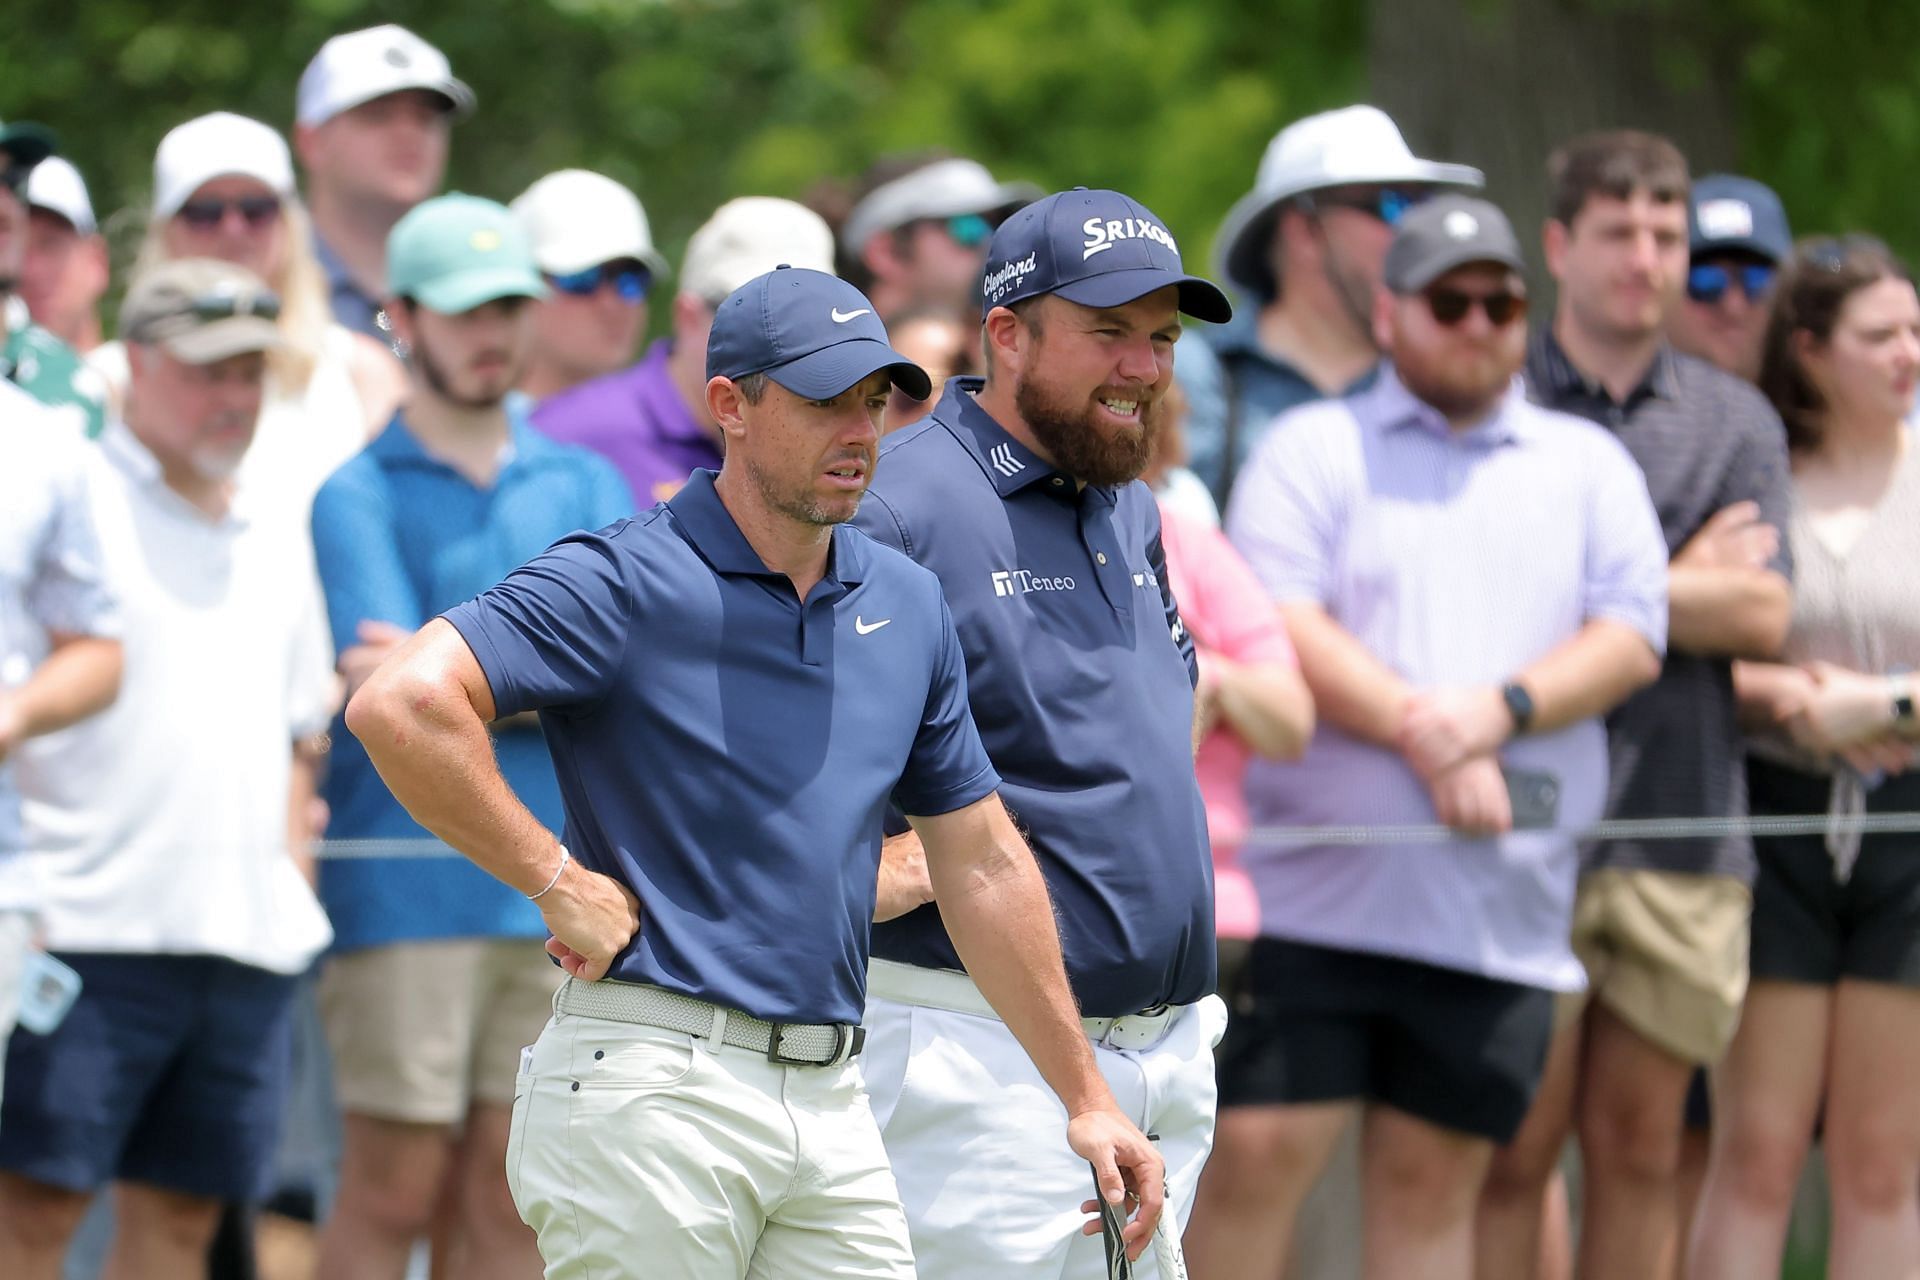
[565,857]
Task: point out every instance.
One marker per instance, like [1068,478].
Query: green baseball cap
[26,142]
[457,252]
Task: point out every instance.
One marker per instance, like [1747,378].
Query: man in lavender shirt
[651,420]
[1471,582]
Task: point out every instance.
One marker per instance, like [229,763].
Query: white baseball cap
[363,65]
[943,189]
[1333,149]
[56,186]
[577,219]
[749,237]
[213,146]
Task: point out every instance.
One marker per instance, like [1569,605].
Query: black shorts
[1809,928]
[1315,1024]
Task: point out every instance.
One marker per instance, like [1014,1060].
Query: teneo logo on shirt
[1020,582]
[1103,234]
[1008,274]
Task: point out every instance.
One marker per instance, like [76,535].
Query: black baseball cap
[1096,248]
[814,334]
[27,143]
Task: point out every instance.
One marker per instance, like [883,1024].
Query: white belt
[789,1044]
[955,992]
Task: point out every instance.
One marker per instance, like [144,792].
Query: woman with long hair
[1831,1026]
[223,188]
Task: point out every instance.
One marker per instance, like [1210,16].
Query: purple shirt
[1456,558]
[636,420]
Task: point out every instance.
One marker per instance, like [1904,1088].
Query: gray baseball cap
[1446,232]
[201,310]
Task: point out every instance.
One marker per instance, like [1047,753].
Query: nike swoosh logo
[841,317]
[868,628]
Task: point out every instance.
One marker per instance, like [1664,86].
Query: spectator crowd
[1414,558]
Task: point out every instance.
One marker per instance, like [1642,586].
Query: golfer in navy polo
[1020,493]
[734,686]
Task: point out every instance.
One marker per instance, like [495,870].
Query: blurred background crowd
[273,401]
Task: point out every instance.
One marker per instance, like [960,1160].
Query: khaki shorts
[420,1031]
[1667,953]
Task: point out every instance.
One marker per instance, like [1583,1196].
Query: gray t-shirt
[1704,440]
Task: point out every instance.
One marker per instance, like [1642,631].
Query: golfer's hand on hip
[592,918]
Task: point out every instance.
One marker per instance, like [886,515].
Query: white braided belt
[795,1044]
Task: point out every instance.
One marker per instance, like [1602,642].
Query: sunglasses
[222,307]
[1389,204]
[205,215]
[629,280]
[1450,306]
[1709,281]
[969,230]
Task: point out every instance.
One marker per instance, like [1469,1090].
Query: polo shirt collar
[398,446]
[706,523]
[663,398]
[1010,465]
[135,461]
[1555,373]
[1389,403]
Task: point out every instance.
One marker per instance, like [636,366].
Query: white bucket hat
[1333,149]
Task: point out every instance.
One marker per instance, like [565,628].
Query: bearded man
[1019,491]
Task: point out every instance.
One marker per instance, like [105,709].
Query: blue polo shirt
[729,750]
[1082,686]
[399,536]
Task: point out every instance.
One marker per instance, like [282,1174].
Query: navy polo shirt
[728,750]
[1082,687]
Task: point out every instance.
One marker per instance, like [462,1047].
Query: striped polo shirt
[1704,440]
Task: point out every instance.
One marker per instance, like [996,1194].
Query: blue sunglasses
[1709,281]
[630,281]
[1389,204]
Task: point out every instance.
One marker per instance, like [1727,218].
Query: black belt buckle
[848,1041]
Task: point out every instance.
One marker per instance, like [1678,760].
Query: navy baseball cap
[1737,215]
[1096,248]
[814,334]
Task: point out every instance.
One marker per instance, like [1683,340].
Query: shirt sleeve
[1626,555]
[70,592]
[358,554]
[1243,624]
[553,633]
[1176,627]
[313,690]
[948,767]
[1198,369]
[1282,518]
[1759,472]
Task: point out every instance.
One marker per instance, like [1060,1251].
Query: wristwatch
[1902,700]
[1519,705]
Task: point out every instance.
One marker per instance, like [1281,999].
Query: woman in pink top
[1251,699]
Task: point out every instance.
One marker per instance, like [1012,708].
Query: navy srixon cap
[814,334]
[1096,248]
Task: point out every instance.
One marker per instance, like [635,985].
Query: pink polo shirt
[1228,613]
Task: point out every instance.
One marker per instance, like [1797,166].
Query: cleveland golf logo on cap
[1103,233]
[1008,274]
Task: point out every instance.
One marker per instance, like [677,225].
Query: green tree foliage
[692,101]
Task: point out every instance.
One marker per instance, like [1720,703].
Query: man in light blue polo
[1471,582]
[734,688]
[1020,492]
[438,975]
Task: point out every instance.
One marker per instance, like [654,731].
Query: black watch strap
[1519,705]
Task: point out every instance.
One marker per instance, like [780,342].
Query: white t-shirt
[160,825]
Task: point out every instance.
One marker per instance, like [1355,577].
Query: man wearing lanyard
[1019,492]
[733,689]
